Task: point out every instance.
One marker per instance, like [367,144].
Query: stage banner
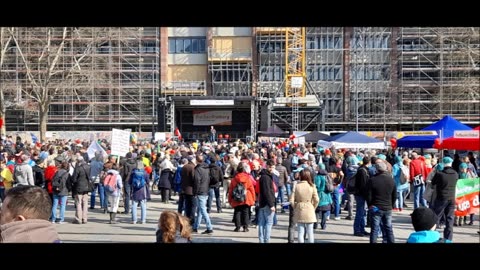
[212,118]
[466,200]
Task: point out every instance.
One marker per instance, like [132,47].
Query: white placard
[212,118]
[299,140]
[120,142]
[470,134]
[160,136]
[212,102]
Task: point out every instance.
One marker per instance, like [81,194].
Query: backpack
[57,181]
[138,179]
[328,185]
[216,175]
[110,183]
[403,176]
[239,193]
[351,183]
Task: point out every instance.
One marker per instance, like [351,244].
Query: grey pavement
[97,230]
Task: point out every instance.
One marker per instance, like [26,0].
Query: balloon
[436,143]
[220,136]
[292,137]
[227,136]
[393,143]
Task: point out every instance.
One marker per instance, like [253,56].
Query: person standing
[187,189]
[360,192]
[137,183]
[201,183]
[60,189]
[266,201]
[304,200]
[381,197]
[96,167]
[213,134]
[241,205]
[445,183]
[80,181]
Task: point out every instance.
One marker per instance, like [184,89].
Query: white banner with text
[212,118]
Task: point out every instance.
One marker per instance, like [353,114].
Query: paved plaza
[97,230]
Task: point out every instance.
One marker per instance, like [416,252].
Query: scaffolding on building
[115,85]
[370,77]
[440,69]
[230,71]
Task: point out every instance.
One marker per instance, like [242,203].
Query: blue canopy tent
[351,139]
[445,126]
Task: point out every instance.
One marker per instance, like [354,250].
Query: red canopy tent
[462,143]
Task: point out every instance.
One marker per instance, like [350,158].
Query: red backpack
[110,183]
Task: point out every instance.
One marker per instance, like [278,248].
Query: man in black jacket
[201,182]
[266,203]
[80,189]
[381,196]
[361,178]
[446,183]
[127,166]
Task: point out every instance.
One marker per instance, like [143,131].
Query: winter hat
[439,167]
[382,156]
[463,165]
[447,161]
[423,219]
[351,161]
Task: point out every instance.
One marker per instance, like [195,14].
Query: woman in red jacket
[241,198]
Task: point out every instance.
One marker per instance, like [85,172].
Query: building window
[186,45]
[179,44]
[171,46]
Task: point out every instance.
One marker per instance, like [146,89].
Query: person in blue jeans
[60,190]
[266,202]
[139,191]
[361,180]
[381,196]
[201,181]
[96,167]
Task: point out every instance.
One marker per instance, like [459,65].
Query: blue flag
[34,138]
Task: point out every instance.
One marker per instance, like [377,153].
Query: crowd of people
[257,179]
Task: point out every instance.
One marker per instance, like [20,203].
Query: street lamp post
[140,96]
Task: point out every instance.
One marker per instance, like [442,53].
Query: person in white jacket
[113,196]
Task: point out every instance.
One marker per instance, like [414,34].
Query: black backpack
[216,175]
[239,193]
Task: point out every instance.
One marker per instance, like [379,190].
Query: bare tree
[49,64]
[5,40]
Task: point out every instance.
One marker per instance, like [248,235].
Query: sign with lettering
[212,118]
[419,133]
[120,142]
[212,102]
[466,134]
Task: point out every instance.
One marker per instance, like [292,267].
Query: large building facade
[365,78]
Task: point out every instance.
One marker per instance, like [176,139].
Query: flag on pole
[34,138]
[133,138]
